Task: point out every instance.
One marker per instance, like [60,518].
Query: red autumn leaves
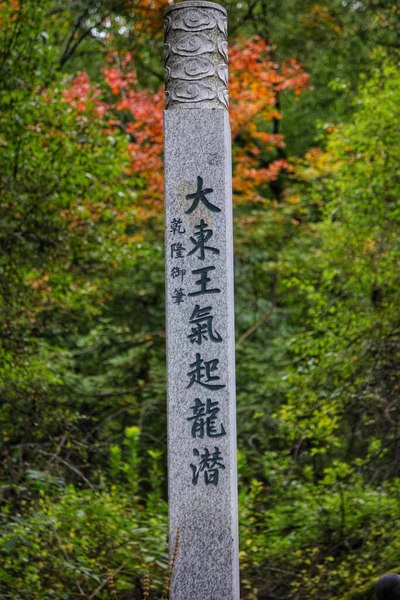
[255,82]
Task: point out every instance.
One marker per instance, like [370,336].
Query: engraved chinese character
[204,419]
[177,250]
[178,296]
[202,235]
[202,282]
[210,465]
[200,195]
[202,329]
[201,373]
[177,272]
[177,226]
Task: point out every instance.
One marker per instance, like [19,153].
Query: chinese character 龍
[204,418]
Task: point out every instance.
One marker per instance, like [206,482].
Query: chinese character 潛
[210,465]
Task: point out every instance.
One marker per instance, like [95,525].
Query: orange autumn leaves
[255,82]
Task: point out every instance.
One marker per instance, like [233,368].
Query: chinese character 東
[203,235]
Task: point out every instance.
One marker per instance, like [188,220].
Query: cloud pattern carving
[196,70]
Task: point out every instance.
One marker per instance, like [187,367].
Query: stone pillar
[200,309]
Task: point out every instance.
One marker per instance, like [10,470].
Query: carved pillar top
[196,56]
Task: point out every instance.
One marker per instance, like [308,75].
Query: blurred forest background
[315,103]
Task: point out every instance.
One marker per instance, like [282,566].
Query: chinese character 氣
[210,465]
[177,227]
[202,329]
[201,373]
[177,250]
[200,196]
[202,282]
[204,418]
[202,235]
[178,296]
[177,272]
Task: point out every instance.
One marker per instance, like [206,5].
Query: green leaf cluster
[82,360]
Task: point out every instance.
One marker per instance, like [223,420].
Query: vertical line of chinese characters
[199,297]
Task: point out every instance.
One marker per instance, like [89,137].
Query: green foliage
[66,547]
[347,354]
[325,509]
[82,359]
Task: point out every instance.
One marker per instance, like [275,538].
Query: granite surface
[200,354]
[199,296]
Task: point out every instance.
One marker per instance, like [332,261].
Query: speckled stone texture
[200,345]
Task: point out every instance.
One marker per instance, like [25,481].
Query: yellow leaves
[10,10]
[369,245]
[316,164]
[320,16]
[38,282]
[132,432]
[149,15]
